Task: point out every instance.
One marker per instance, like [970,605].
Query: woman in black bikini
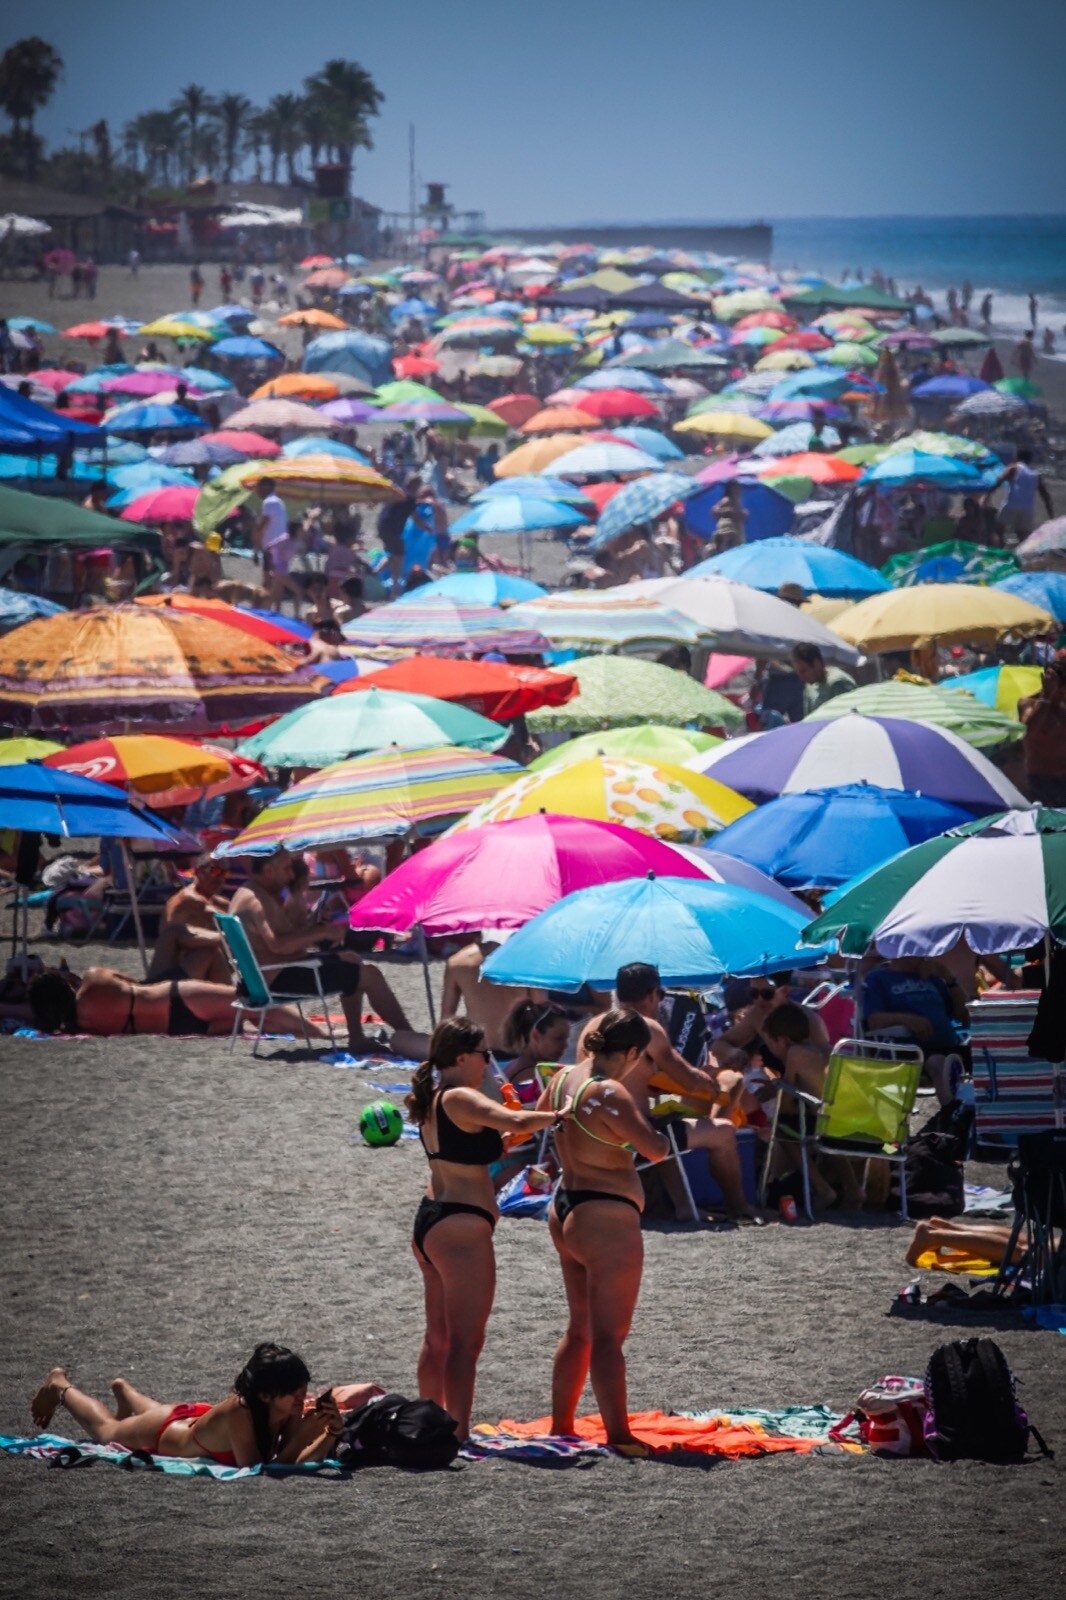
[595,1222]
[460,1130]
[107,1002]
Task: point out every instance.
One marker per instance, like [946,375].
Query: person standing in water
[595,1222]
[460,1129]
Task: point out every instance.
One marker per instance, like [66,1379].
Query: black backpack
[392,1431]
[973,1412]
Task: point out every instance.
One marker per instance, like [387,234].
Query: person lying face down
[107,1002]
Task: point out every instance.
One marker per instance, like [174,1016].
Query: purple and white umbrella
[889,752]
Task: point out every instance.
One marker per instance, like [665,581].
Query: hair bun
[596,1041]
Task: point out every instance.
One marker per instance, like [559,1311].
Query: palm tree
[192,105]
[315,129]
[155,134]
[271,125]
[255,137]
[233,112]
[347,96]
[29,72]
[285,110]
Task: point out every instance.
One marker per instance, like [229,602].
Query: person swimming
[264,1418]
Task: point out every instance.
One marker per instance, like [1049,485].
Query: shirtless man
[275,939]
[189,944]
[638,986]
[488,1004]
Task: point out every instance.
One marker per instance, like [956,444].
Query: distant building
[83,223]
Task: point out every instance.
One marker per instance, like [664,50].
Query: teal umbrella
[346,725]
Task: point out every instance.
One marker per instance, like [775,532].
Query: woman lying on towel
[107,1002]
[955,1241]
[263,1419]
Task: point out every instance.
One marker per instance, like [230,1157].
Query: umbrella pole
[424,953]
[134,905]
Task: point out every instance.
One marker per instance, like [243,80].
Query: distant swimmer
[986,310]
[1034,310]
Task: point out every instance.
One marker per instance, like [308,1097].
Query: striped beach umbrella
[982,726]
[999,883]
[443,627]
[642,501]
[346,725]
[383,795]
[335,479]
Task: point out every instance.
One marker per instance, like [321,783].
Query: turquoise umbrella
[517,513]
[346,725]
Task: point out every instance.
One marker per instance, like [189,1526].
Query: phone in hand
[324,1399]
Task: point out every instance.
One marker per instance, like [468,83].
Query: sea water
[1008,257]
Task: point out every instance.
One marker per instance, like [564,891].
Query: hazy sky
[578,110]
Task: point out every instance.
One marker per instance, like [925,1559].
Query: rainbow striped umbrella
[382,795]
[441,627]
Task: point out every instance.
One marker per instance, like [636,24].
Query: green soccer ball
[380,1123]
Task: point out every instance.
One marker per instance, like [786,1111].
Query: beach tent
[32,523]
[29,429]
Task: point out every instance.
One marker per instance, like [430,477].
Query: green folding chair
[869,1094]
[255,997]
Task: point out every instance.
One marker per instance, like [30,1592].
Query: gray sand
[166,1205]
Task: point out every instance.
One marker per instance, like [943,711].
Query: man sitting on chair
[916,999]
[275,933]
[639,987]
[189,945]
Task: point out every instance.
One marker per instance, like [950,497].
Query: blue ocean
[1010,257]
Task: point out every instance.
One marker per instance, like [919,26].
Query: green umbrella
[483,424]
[620,691]
[1024,388]
[374,719]
[941,444]
[951,561]
[861,455]
[954,709]
[961,338]
[849,355]
[647,741]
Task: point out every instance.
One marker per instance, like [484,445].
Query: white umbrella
[607,619]
[12,225]
[744,621]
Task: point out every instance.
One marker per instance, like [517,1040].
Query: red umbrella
[514,409]
[173,503]
[766,319]
[88,330]
[493,689]
[813,464]
[315,261]
[166,771]
[326,278]
[415,367]
[254,445]
[601,493]
[221,611]
[809,339]
[616,403]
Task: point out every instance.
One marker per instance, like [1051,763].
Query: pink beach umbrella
[173,503]
[143,385]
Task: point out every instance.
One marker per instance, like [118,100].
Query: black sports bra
[461,1148]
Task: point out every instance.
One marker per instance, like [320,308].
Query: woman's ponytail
[420,1099]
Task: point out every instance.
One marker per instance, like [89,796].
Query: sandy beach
[167,1204]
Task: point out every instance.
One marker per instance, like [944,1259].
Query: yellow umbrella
[174,328]
[824,609]
[536,455]
[322,477]
[784,361]
[938,613]
[312,317]
[19,750]
[549,333]
[725,425]
[654,797]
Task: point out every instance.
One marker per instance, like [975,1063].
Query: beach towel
[803,1430]
[947,1259]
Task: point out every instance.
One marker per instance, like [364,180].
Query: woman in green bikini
[595,1222]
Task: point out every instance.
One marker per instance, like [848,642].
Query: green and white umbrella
[999,883]
[954,709]
[620,691]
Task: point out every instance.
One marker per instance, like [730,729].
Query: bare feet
[633,1449]
[919,1244]
[124,1406]
[45,1402]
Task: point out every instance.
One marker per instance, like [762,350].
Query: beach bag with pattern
[890,1417]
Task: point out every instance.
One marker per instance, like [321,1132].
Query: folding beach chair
[677,1158]
[869,1094]
[1039,1173]
[1014,1093]
[254,993]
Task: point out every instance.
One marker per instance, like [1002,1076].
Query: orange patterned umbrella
[130,666]
[304,385]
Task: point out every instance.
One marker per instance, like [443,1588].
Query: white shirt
[276,526]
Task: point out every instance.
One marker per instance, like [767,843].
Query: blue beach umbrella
[768,563]
[93,382]
[518,513]
[17,608]
[298,629]
[245,347]
[312,445]
[38,799]
[693,930]
[603,460]
[203,378]
[948,390]
[650,440]
[812,383]
[631,378]
[824,837]
[541,488]
[232,313]
[1044,589]
[338,671]
[150,418]
[641,501]
[353,352]
[794,439]
[479,589]
[918,466]
[200,453]
[769,512]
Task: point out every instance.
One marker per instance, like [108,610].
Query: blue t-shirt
[886,990]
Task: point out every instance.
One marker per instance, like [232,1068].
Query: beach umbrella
[17,608]
[980,725]
[495,367]
[174,328]
[992,405]
[314,445]
[948,390]
[443,627]
[149,419]
[311,317]
[202,452]
[623,691]
[598,620]
[264,626]
[887,751]
[938,613]
[641,501]
[515,409]
[784,361]
[693,932]
[654,797]
[415,366]
[36,799]
[798,438]
[819,383]
[619,404]
[1047,541]
[482,588]
[345,725]
[273,415]
[742,620]
[937,443]
[670,355]
[347,412]
[541,486]
[481,423]
[312,386]
[358,354]
[244,441]
[821,838]
[634,380]
[16,751]
[386,794]
[466,883]
[815,568]
[1024,388]
[322,478]
[651,441]
[405,391]
[816,465]
[164,771]
[850,355]
[142,384]
[171,503]
[544,334]
[602,461]
[144,666]
[536,455]
[493,689]
[914,468]
[558,419]
[998,883]
[952,561]
[647,741]
[1044,589]
[725,424]
[1000,688]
